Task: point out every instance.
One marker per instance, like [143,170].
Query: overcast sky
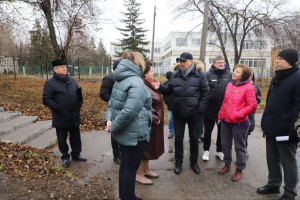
[165,21]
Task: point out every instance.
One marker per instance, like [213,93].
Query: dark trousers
[282,155]
[130,162]
[179,127]
[208,128]
[239,136]
[75,141]
[116,147]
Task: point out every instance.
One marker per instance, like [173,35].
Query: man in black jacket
[105,93]
[190,94]
[280,114]
[218,77]
[64,97]
[168,99]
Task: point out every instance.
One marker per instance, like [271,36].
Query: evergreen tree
[133,34]
[103,57]
[40,45]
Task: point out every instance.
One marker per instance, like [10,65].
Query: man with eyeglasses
[190,95]
[64,97]
[218,77]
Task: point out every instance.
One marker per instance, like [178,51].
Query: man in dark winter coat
[64,97]
[280,114]
[105,93]
[168,99]
[190,95]
[218,77]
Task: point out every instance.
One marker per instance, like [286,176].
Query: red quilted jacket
[239,101]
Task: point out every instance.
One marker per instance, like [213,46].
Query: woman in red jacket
[239,101]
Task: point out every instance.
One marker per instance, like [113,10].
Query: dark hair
[253,77]
[246,71]
[148,66]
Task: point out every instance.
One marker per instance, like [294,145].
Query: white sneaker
[220,155]
[205,156]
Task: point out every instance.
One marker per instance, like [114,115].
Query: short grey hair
[218,58]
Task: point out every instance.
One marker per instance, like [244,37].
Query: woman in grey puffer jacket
[129,119]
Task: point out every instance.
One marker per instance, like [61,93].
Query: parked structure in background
[256,52]
[7,65]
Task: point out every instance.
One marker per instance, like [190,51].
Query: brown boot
[237,176]
[225,169]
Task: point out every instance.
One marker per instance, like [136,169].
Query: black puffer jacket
[168,98]
[64,98]
[190,94]
[217,80]
[106,87]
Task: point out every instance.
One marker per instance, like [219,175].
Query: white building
[256,51]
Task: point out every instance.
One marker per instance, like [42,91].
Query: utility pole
[204,32]
[152,49]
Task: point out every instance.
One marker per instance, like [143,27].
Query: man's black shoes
[65,163]
[178,168]
[117,160]
[195,167]
[268,190]
[79,158]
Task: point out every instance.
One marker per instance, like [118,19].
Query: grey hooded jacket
[129,107]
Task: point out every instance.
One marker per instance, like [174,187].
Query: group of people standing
[135,116]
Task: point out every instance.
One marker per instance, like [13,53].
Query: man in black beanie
[280,114]
[63,96]
[105,93]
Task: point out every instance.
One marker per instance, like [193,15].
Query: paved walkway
[187,185]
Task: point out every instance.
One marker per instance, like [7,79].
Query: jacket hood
[199,66]
[127,69]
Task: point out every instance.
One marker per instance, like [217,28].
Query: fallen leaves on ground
[26,96]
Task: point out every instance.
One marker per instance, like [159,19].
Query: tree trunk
[46,7]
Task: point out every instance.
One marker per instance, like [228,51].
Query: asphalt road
[207,185]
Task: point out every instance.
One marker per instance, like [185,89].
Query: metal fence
[11,70]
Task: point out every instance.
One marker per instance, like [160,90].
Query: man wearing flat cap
[64,97]
[190,91]
[280,114]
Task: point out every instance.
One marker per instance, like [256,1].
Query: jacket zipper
[229,103]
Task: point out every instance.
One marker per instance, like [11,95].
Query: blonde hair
[136,58]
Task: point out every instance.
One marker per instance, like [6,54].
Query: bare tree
[64,19]
[233,21]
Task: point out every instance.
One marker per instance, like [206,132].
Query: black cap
[184,56]
[116,62]
[290,55]
[169,74]
[58,63]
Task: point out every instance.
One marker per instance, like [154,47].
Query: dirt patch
[54,188]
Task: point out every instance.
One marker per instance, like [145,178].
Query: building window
[195,42]
[181,42]
[212,42]
[167,46]
[211,61]
[157,50]
[250,44]
[118,49]
[254,62]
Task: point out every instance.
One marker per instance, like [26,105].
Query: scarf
[185,73]
[64,79]
[282,74]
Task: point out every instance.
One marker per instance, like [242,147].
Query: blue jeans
[170,122]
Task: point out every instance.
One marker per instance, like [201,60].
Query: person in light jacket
[239,101]
[129,119]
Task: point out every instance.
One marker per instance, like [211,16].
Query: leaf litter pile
[29,173]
